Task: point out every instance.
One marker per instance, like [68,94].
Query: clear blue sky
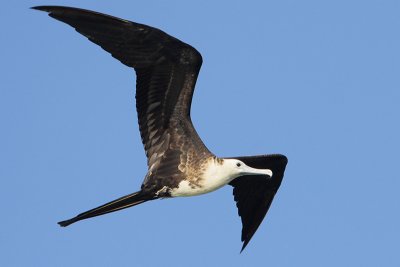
[318,81]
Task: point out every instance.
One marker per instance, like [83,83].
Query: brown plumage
[178,162]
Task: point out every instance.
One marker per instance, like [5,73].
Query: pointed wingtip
[51,9]
[66,222]
[41,8]
[244,246]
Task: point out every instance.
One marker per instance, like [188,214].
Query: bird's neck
[218,172]
[214,176]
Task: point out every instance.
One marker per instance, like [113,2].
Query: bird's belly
[186,189]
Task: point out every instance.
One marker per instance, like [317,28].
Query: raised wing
[166,69]
[254,194]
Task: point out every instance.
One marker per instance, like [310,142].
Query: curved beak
[252,171]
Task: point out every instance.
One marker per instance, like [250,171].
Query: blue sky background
[317,81]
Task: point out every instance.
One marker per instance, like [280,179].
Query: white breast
[213,178]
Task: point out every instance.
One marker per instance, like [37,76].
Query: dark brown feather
[166,69]
[254,194]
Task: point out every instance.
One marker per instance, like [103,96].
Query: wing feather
[254,194]
[166,68]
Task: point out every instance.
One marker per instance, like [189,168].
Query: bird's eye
[238,164]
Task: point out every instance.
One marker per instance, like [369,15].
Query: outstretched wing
[166,69]
[254,194]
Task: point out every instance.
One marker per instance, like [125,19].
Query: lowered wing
[254,194]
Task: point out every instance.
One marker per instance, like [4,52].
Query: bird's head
[235,168]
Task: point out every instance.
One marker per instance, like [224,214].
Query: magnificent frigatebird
[179,164]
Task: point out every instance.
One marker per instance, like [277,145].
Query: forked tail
[118,204]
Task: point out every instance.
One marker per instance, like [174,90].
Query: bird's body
[179,164]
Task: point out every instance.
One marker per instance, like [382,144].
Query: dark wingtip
[41,8]
[244,246]
[51,9]
[67,222]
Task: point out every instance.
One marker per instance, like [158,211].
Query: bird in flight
[179,164]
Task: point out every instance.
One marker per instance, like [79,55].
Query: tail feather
[118,204]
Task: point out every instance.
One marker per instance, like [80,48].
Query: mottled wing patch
[183,159]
